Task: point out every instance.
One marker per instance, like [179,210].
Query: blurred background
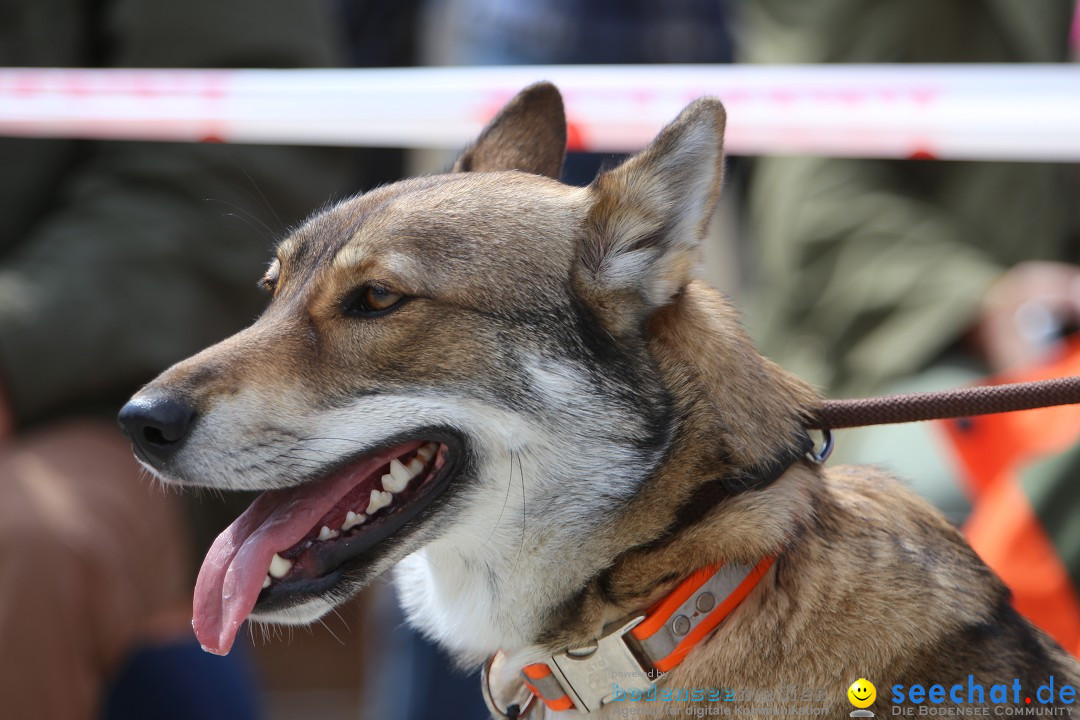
[864,275]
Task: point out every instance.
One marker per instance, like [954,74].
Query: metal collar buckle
[588,674]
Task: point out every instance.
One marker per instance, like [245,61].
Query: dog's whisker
[509,484]
[307,462]
[251,219]
[315,438]
[341,617]
[521,474]
[332,633]
[266,202]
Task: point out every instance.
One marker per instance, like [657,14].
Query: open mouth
[296,543]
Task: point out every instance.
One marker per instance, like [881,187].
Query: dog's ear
[528,134]
[649,215]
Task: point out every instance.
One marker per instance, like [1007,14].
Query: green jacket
[869,269]
[119,258]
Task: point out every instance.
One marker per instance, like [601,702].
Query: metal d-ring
[514,711]
[823,454]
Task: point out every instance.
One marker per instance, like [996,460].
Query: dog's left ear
[649,215]
[528,134]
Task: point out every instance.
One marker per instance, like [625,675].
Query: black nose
[157,424]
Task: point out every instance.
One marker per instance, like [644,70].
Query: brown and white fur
[603,395]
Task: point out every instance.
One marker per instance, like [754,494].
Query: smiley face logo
[862,693]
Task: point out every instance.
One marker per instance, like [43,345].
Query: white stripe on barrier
[1012,112]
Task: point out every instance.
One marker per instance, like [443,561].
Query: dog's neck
[741,414]
[736,414]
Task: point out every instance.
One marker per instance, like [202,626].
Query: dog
[521,395]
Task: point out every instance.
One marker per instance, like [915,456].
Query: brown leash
[964,402]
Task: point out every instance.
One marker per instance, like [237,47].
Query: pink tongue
[232,573]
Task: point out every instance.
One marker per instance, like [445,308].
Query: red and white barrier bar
[985,112]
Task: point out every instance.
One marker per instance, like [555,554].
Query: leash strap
[964,402]
[634,655]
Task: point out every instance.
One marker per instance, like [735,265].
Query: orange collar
[634,656]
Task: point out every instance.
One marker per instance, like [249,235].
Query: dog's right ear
[649,215]
[528,134]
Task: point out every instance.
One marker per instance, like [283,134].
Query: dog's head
[455,366]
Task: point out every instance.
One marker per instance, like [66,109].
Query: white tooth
[415,466]
[279,566]
[399,472]
[266,582]
[352,520]
[391,483]
[328,534]
[379,500]
[426,451]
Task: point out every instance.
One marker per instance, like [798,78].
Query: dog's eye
[371,301]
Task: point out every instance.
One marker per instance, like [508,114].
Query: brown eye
[371,301]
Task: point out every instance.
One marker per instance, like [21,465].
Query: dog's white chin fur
[304,613]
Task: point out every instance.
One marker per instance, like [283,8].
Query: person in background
[891,276]
[117,259]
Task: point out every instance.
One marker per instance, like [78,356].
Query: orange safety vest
[1003,528]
